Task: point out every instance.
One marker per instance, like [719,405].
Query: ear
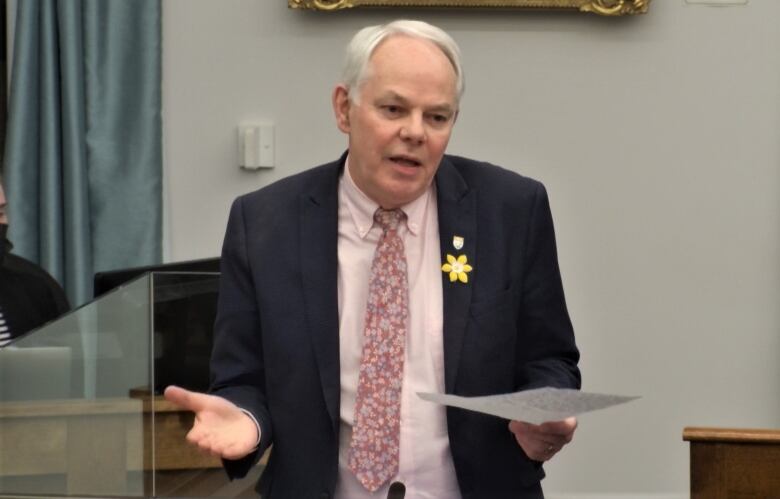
[341,107]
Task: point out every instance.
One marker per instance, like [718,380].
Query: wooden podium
[109,447]
[734,463]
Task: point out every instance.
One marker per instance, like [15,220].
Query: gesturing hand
[542,442]
[220,427]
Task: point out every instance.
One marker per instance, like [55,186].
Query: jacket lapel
[457,217]
[319,262]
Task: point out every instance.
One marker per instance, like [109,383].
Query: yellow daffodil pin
[457,268]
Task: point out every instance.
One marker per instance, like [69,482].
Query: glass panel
[70,420]
[81,406]
[185,306]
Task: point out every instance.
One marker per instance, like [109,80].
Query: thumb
[518,427]
[192,401]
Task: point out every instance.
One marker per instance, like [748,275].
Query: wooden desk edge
[734,435]
[76,407]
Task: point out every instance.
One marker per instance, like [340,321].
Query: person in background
[397,269]
[29,296]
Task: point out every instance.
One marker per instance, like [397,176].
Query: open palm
[220,427]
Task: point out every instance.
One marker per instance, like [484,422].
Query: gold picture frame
[601,7]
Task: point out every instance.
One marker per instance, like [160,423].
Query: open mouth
[405,161]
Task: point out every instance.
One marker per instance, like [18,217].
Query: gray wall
[657,137]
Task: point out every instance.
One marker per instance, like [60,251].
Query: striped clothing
[5,333]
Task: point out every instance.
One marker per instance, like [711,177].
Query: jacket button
[324,494]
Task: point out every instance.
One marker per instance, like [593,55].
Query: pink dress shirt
[425,461]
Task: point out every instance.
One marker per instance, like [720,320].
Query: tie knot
[388,219]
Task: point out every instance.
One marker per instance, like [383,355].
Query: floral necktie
[373,451]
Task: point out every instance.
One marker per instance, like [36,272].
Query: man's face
[3,216]
[400,126]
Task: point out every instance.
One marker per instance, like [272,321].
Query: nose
[413,130]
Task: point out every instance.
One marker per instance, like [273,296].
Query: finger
[537,445]
[549,452]
[177,395]
[204,444]
[545,439]
[557,433]
[231,452]
[196,435]
[541,448]
[192,401]
[210,446]
[214,446]
[564,427]
[561,434]
[543,451]
[217,449]
[232,456]
[518,427]
[532,431]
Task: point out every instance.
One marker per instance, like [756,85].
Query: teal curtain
[83,158]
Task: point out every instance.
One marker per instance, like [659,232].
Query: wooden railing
[734,463]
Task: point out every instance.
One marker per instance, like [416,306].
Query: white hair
[365,41]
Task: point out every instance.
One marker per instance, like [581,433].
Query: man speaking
[396,269]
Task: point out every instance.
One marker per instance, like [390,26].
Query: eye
[439,118]
[392,109]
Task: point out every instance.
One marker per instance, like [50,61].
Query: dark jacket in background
[29,296]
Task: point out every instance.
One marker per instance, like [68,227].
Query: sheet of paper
[533,406]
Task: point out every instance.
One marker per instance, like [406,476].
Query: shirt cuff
[257,425]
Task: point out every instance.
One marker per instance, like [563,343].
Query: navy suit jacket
[276,350]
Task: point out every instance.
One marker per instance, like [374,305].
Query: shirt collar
[362,208]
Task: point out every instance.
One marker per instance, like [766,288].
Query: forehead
[403,60]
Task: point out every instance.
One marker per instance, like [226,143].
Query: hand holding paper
[542,442]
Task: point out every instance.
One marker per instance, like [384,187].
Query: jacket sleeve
[237,366]
[548,354]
